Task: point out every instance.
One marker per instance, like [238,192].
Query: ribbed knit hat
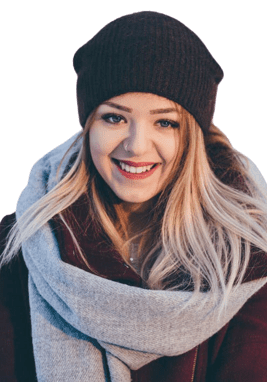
[147,52]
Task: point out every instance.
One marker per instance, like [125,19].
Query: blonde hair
[201,228]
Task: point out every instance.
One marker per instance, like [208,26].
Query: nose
[139,139]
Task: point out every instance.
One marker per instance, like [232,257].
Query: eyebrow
[124,108]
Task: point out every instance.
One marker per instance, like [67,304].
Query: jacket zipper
[194,365]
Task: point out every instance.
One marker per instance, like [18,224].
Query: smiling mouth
[117,162]
[135,173]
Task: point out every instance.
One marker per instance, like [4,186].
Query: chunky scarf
[88,328]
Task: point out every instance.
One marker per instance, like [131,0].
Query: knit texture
[147,52]
[85,327]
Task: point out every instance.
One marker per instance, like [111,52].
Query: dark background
[37,92]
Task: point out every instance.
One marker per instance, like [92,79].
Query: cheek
[170,149]
[170,155]
[102,144]
[98,142]
[96,148]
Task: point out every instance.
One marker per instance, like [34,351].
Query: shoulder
[16,354]
[14,275]
[6,224]
[249,325]
[5,227]
[238,352]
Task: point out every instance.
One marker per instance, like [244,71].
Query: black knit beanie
[147,52]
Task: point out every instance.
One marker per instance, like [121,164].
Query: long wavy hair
[202,226]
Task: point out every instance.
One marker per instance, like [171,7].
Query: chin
[133,198]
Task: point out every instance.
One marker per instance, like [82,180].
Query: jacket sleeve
[16,352]
[242,355]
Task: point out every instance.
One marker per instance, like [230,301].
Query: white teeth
[134,170]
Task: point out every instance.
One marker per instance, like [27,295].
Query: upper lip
[136,164]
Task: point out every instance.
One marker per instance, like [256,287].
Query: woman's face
[130,132]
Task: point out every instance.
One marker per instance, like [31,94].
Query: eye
[168,123]
[113,118]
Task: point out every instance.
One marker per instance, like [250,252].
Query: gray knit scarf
[87,328]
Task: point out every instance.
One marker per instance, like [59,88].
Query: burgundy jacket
[237,353]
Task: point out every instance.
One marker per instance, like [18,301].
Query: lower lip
[142,175]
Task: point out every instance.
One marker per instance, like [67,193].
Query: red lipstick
[136,176]
[136,164]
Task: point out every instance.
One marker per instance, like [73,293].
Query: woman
[138,248]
